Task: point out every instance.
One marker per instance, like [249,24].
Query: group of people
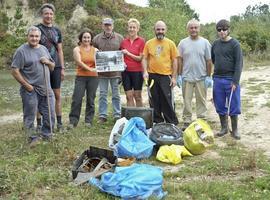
[38,66]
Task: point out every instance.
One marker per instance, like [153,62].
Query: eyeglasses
[222,29]
[160,29]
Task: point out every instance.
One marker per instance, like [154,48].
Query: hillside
[72,16]
[252,28]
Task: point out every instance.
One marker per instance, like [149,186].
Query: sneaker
[116,118]
[34,142]
[60,128]
[102,120]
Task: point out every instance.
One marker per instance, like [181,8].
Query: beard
[160,36]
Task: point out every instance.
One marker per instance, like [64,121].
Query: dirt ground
[254,122]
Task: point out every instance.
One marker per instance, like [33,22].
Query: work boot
[224,125]
[235,134]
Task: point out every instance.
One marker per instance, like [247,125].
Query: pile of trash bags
[130,141]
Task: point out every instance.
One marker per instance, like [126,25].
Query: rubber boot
[235,133]
[224,125]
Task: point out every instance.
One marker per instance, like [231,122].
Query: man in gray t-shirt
[194,71]
[30,66]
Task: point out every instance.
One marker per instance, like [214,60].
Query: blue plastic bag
[134,141]
[138,181]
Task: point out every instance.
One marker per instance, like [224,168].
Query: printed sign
[109,61]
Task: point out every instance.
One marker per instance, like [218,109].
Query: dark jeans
[162,99]
[82,84]
[33,102]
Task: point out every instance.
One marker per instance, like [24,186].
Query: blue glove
[208,82]
[179,81]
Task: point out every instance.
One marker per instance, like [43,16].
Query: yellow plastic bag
[198,137]
[172,154]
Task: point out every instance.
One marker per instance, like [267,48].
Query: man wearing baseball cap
[108,40]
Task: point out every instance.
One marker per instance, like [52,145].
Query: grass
[267,104]
[45,171]
[10,101]
[253,60]
[228,171]
[255,90]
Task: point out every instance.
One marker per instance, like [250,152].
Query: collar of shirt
[111,36]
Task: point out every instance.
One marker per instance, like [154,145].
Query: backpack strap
[44,33]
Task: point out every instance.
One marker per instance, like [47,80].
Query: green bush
[176,23]
[18,14]
[91,6]
[93,23]
[64,8]
[8,45]
[4,21]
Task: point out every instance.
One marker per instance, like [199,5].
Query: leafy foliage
[174,5]
[8,44]
[64,8]
[3,23]
[176,23]
[252,28]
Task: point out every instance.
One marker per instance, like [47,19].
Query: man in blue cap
[108,40]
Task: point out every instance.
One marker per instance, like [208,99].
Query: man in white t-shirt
[194,71]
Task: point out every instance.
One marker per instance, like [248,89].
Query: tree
[174,5]
[256,10]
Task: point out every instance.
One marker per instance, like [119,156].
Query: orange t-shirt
[87,57]
[160,55]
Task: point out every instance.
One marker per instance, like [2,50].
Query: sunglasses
[222,29]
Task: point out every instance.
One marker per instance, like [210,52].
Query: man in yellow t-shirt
[160,64]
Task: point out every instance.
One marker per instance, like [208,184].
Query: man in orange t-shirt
[160,64]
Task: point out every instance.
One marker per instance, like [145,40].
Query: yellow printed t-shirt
[88,57]
[160,55]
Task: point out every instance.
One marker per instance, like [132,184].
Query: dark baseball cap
[107,21]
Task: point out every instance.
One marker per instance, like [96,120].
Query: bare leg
[130,98]
[138,98]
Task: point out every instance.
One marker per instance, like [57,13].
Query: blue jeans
[33,102]
[221,95]
[103,95]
